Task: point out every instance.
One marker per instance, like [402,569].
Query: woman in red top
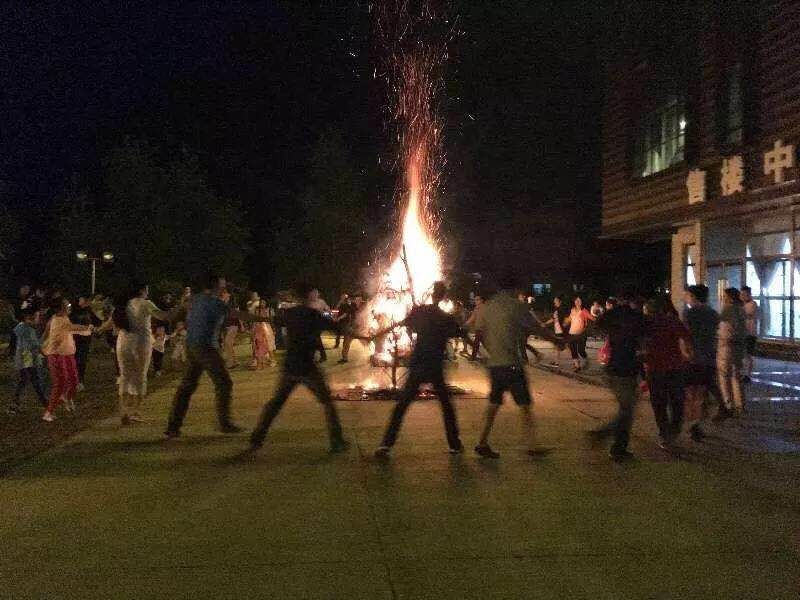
[668,348]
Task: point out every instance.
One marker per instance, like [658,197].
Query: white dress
[135,348]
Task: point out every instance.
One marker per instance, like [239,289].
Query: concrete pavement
[119,513]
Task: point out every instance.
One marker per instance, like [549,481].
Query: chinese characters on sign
[732,172]
[696,186]
[777,160]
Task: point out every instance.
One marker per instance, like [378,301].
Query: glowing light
[414,262]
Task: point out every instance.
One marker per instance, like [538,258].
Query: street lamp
[105,256]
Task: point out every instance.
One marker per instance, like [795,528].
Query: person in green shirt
[502,322]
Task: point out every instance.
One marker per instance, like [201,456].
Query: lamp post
[105,257]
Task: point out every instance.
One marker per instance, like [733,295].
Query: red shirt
[663,344]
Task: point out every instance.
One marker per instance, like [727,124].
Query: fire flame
[415,262]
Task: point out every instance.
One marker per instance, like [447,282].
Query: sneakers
[256,442]
[382,453]
[340,446]
[539,452]
[229,428]
[456,449]
[171,434]
[485,451]
[697,434]
[595,437]
[48,416]
[341,361]
[620,455]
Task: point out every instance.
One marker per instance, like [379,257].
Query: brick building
[701,127]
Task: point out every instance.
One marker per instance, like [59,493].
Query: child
[263,339]
[27,358]
[159,348]
[179,344]
[59,347]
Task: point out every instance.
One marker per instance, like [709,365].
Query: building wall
[654,207]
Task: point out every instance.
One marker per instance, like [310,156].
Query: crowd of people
[680,360]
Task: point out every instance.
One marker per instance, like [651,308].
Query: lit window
[691,265]
[660,138]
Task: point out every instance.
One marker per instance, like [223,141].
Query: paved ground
[121,514]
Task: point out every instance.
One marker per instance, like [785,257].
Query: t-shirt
[703,322]
[26,353]
[434,328]
[503,321]
[206,315]
[558,328]
[625,329]
[140,312]
[663,335]
[303,327]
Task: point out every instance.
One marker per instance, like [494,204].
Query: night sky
[249,87]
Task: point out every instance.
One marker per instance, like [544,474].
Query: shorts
[751,344]
[509,379]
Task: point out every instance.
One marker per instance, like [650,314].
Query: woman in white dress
[134,350]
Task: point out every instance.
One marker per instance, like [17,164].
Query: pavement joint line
[633,552]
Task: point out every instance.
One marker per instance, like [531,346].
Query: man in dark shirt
[703,321]
[434,328]
[303,326]
[625,329]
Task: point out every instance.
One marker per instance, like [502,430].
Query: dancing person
[179,344]
[578,321]
[134,326]
[625,329]
[342,310]
[253,303]
[83,315]
[24,301]
[667,349]
[207,312]
[349,326]
[160,338]
[524,346]
[304,324]
[703,323]
[232,327]
[557,320]
[27,358]
[59,348]
[263,339]
[751,319]
[504,321]
[469,325]
[318,304]
[434,328]
[731,347]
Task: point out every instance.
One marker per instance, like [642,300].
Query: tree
[331,246]
[157,215]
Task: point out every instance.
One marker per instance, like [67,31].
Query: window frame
[645,149]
